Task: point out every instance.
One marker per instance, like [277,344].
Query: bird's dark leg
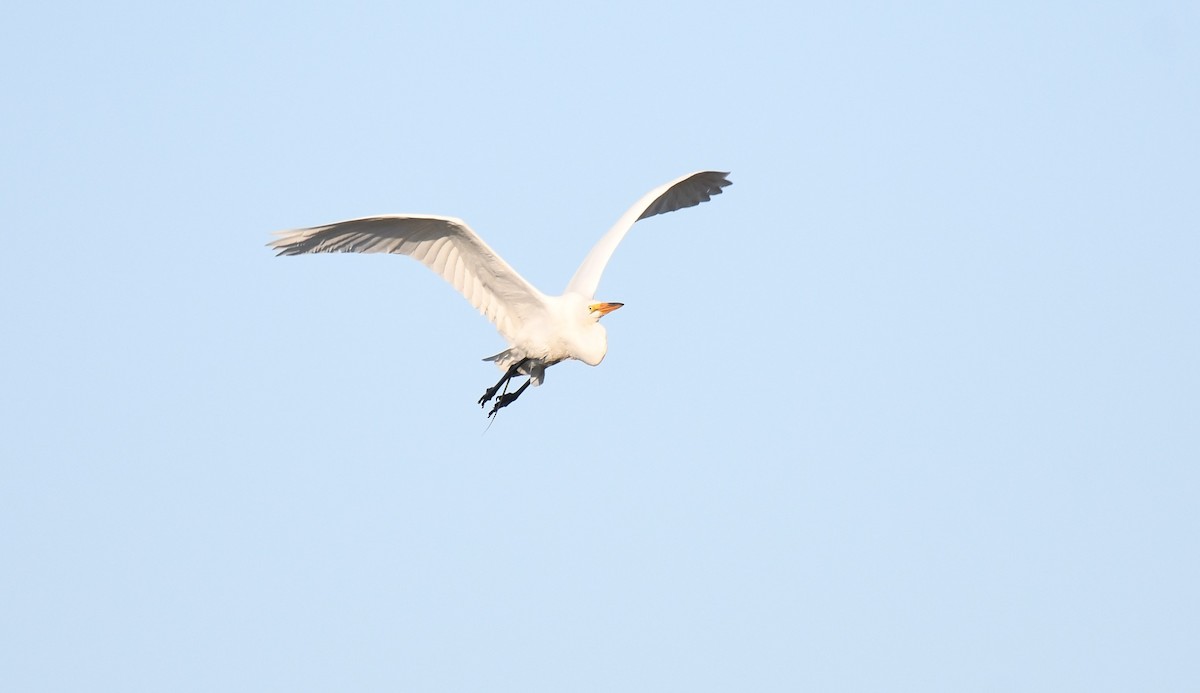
[491,391]
[507,398]
[508,375]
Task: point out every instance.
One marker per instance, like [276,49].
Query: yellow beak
[605,308]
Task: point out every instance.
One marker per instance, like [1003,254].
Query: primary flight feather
[541,330]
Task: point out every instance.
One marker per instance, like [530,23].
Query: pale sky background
[913,406]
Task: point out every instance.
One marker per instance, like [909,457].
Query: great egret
[540,330]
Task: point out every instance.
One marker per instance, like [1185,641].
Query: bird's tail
[536,370]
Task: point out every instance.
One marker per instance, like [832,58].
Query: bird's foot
[501,402]
[491,392]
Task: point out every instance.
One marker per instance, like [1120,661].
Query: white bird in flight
[541,330]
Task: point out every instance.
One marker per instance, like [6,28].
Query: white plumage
[541,330]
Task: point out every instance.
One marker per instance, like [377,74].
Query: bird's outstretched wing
[688,191]
[443,244]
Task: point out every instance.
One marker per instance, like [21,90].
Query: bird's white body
[541,330]
[567,329]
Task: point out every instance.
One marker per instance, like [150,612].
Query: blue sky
[911,407]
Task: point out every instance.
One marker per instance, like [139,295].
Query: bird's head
[578,328]
[599,310]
